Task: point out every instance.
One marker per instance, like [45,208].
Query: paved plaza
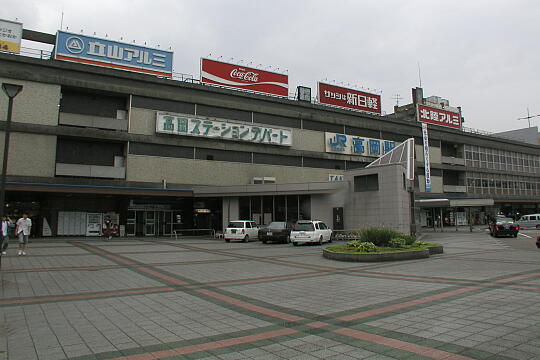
[194,298]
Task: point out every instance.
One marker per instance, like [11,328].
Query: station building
[87,142]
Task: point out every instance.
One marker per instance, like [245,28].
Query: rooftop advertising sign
[431,115]
[94,51]
[10,36]
[349,98]
[357,145]
[242,77]
[191,125]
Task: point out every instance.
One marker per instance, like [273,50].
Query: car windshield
[505,220]
[276,225]
[304,227]
[236,224]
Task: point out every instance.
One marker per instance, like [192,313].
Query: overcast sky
[481,55]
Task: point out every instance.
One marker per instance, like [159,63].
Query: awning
[431,203]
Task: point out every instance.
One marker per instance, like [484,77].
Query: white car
[244,230]
[310,231]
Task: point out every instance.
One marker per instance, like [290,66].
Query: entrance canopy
[430,203]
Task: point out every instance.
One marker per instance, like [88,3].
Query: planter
[377,257]
[436,249]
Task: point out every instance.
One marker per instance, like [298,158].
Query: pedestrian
[6,230]
[108,228]
[24,225]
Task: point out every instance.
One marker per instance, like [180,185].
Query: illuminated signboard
[101,52]
[190,125]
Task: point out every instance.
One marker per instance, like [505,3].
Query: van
[531,221]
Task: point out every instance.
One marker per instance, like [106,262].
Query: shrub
[409,239]
[361,246]
[378,236]
[398,242]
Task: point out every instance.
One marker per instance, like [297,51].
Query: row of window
[495,183]
[477,156]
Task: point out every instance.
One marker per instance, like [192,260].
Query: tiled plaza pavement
[198,298]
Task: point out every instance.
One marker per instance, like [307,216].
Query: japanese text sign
[101,52]
[10,36]
[190,125]
[357,145]
[349,98]
[431,115]
[427,164]
[242,77]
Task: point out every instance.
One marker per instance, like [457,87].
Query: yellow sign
[10,36]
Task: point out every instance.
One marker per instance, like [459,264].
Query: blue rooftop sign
[100,52]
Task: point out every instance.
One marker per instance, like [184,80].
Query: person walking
[24,225]
[6,229]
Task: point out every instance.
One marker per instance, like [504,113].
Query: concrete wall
[203,172]
[30,154]
[436,183]
[231,210]
[434,154]
[389,207]
[322,206]
[37,103]
[142,121]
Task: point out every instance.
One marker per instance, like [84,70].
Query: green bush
[398,242]
[378,236]
[361,246]
[409,239]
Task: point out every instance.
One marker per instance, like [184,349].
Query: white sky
[480,55]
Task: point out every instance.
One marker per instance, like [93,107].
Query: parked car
[276,231]
[503,226]
[310,231]
[244,230]
[529,221]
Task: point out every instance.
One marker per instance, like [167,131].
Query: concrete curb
[377,257]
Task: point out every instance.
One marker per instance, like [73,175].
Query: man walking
[24,225]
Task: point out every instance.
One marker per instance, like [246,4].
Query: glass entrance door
[150,223]
[131,221]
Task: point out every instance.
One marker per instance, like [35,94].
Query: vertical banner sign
[349,98]
[10,36]
[242,77]
[427,170]
[113,54]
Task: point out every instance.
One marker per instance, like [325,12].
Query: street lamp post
[11,91]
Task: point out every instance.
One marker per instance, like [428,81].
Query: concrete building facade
[85,145]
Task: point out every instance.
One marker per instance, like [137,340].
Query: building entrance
[150,222]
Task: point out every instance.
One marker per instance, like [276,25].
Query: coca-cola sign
[243,77]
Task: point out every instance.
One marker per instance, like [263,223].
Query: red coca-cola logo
[245,75]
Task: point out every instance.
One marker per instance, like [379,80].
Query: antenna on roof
[62,19]
[528,117]
[397,97]
[419,74]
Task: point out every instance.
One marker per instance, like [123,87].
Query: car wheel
[321,240]
[227,240]
[246,238]
[495,234]
[331,238]
[537,227]
[295,243]
[287,240]
[515,235]
[264,241]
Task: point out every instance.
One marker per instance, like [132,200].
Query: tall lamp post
[11,91]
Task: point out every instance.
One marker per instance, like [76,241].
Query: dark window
[321,126]
[163,105]
[305,207]
[304,227]
[355,165]
[209,157]
[436,172]
[366,183]
[75,102]
[276,120]
[137,148]
[244,207]
[75,151]
[223,155]
[376,134]
[224,113]
[292,208]
[271,159]
[323,163]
